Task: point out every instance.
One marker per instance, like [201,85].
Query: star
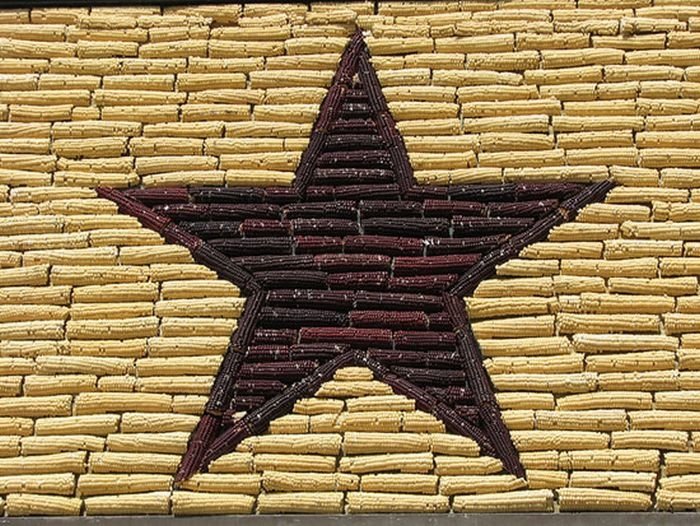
[354,264]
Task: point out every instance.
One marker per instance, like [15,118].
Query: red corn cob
[429,341]
[272,336]
[349,262]
[431,284]
[388,319]
[398,301]
[350,336]
[318,244]
[342,209]
[358,280]
[454,263]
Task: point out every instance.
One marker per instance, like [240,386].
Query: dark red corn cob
[312,151]
[283,371]
[202,436]
[281,195]
[212,229]
[397,301]
[274,336]
[350,262]
[350,336]
[367,191]
[182,211]
[222,390]
[407,226]
[283,317]
[451,395]
[483,192]
[324,227]
[259,387]
[470,413]
[227,441]
[429,359]
[265,228]
[438,377]
[351,110]
[246,326]
[441,208]
[559,191]
[522,208]
[242,403]
[262,263]
[427,341]
[179,236]
[454,263]
[353,141]
[390,245]
[439,321]
[318,244]
[337,300]
[370,81]
[227,212]
[470,226]
[126,205]
[268,353]
[224,267]
[342,209]
[320,193]
[317,351]
[463,245]
[356,95]
[253,246]
[358,280]
[431,284]
[220,194]
[456,310]
[390,208]
[355,159]
[595,192]
[389,319]
[158,196]
[282,279]
[422,192]
[332,176]
[357,126]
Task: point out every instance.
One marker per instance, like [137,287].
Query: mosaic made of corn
[109,339]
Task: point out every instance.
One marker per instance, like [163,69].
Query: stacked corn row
[356,447]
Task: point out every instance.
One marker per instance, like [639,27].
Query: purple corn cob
[455,263]
[265,228]
[221,194]
[348,335]
[341,209]
[390,208]
[253,246]
[398,301]
[349,262]
[274,336]
[438,377]
[157,196]
[324,227]
[283,317]
[283,279]
[434,341]
[389,319]
[337,300]
[318,244]
[283,371]
[441,208]
[390,245]
[358,280]
[431,284]
[407,226]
